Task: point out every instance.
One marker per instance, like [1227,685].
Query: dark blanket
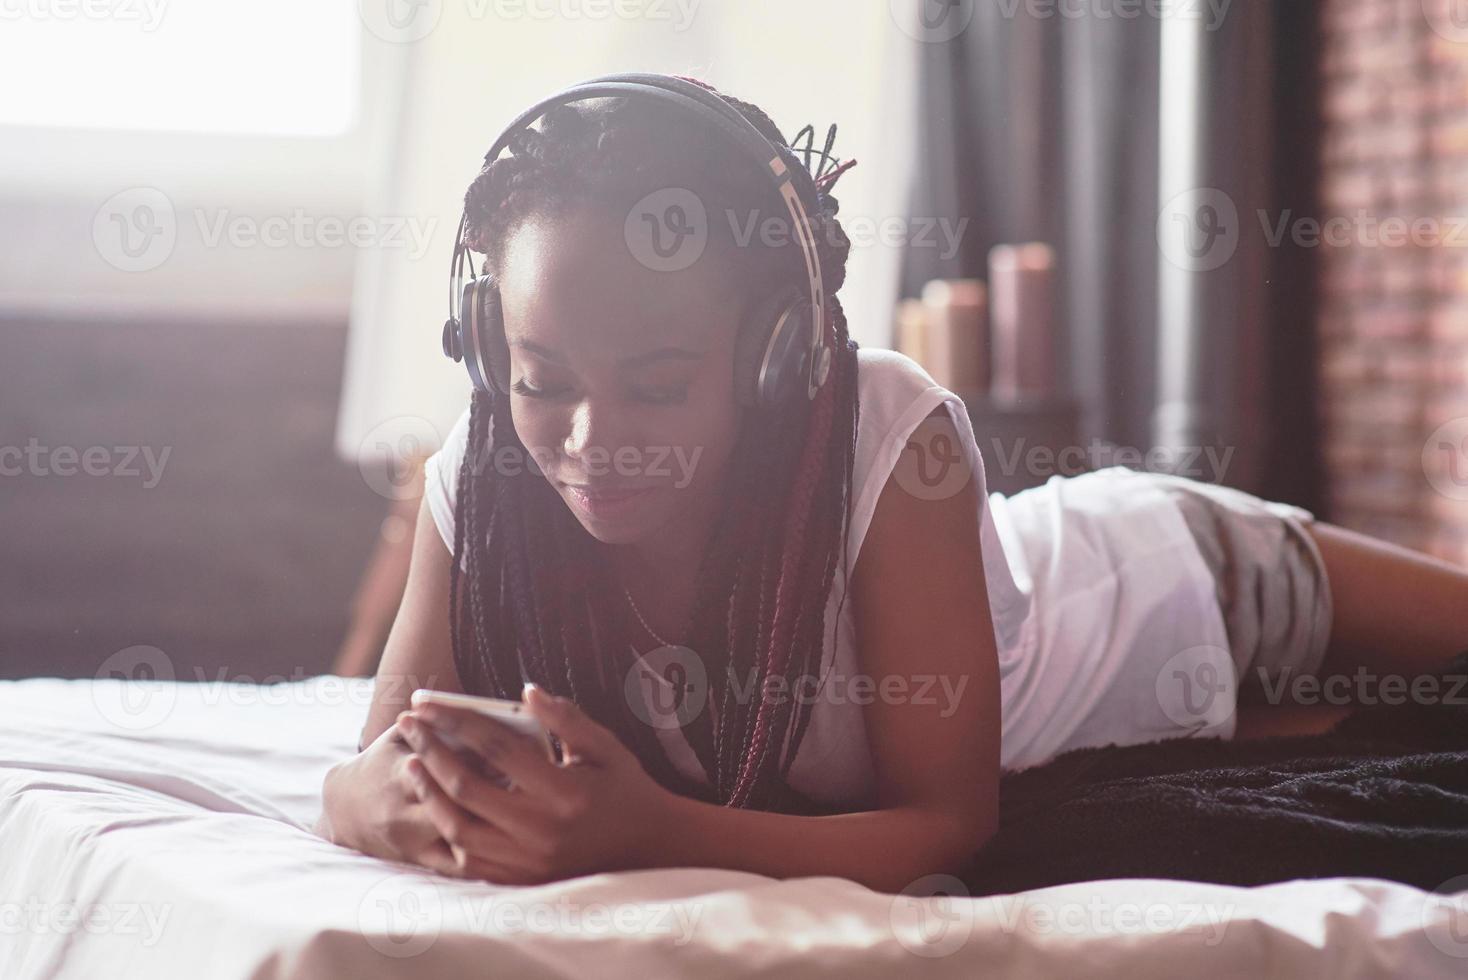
[1383,795]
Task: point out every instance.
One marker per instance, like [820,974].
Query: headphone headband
[778,164]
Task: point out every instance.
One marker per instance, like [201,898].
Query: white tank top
[1047,702]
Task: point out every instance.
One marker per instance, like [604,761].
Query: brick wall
[1394,300]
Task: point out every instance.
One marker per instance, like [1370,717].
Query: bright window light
[266,67]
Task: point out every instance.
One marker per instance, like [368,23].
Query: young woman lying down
[749,575]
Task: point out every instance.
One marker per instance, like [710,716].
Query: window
[262,67]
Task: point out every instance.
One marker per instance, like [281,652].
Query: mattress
[162,830]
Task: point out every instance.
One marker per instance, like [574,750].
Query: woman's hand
[598,810]
[369,803]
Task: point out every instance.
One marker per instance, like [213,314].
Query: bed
[162,830]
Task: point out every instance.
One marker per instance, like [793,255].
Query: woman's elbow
[958,835]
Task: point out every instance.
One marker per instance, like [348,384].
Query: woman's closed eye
[666,394]
[523,387]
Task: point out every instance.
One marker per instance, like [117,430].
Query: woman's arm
[418,653]
[922,612]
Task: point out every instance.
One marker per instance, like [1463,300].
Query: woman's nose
[592,432]
[578,436]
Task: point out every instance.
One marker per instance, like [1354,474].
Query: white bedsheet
[163,831]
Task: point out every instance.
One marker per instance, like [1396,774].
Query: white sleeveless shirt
[1094,583]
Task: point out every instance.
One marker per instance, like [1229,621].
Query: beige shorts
[1270,577]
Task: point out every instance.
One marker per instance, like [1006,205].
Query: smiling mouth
[601,502]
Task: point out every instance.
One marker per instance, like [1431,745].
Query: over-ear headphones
[779,346]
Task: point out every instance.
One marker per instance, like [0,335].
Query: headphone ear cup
[482,336]
[496,348]
[773,348]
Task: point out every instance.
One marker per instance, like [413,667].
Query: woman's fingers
[521,758]
[456,862]
[582,736]
[457,823]
[438,855]
[518,815]
[469,847]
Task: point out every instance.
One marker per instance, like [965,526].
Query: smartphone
[513,714]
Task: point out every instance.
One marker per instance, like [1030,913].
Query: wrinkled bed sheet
[162,830]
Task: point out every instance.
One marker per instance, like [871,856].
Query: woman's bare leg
[1397,611]
[1398,615]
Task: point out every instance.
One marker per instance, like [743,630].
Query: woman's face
[622,375]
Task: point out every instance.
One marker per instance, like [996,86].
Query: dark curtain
[1046,129]
[1294,450]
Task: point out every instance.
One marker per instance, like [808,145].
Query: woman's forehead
[571,275]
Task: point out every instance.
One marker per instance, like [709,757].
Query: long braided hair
[532,593]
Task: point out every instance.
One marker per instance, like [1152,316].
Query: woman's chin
[612,535]
[633,524]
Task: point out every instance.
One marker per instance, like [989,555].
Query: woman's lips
[606,503]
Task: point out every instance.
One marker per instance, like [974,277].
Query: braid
[540,601]
[455,569]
